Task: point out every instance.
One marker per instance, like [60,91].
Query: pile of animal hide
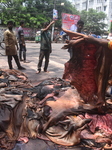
[64,113]
[52,111]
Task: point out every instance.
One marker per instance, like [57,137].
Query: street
[58,58]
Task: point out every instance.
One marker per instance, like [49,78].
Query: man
[45,47]
[10,43]
[80,25]
[22,45]
[93,34]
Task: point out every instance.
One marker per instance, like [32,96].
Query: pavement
[56,65]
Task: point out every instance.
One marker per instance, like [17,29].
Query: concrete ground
[58,58]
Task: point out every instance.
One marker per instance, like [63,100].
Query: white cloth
[73,28]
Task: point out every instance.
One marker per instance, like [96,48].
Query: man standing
[10,43]
[22,46]
[80,25]
[45,47]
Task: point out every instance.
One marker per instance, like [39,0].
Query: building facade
[99,5]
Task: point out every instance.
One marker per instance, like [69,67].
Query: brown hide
[14,129]
[68,133]
[70,99]
[89,69]
[68,140]
[103,71]
[68,104]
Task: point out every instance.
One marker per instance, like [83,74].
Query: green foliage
[36,12]
[33,12]
[110,28]
[94,21]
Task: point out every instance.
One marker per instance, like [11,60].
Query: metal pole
[52,32]
[53,24]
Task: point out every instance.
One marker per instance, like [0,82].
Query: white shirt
[73,28]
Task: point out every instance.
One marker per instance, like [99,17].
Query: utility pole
[53,24]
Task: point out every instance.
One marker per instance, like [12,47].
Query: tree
[110,28]
[36,12]
[33,12]
[94,21]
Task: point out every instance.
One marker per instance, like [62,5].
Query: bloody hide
[88,69]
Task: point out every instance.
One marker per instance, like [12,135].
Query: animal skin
[68,104]
[89,67]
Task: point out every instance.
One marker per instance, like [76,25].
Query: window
[98,8]
[77,6]
[105,8]
[111,5]
[91,3]
[84,6]
[99,1]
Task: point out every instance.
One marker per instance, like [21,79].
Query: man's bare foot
[46,71]
[38,72]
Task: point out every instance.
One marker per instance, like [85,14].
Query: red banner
[69,21]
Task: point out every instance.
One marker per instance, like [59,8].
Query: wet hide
[67,132]
[88,70]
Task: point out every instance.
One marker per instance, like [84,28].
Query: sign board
[69,21]
[55,14]
[28,32]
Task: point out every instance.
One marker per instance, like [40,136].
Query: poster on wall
[69,21]
[2,30]
[28,32]
[55,14]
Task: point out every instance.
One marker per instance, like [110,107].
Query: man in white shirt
[78,28]
[73,28]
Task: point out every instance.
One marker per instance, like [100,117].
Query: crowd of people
[45,44]
[11,45]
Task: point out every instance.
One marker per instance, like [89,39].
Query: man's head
[80,25]
[22,23]
[10,25]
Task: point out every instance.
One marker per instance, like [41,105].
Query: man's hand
[72,43]
[7,48]
[23,44]
[76,42]
[76,38]
[53,21]
[17,48]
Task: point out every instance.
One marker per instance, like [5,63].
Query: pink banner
[28,32]
[69,21]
